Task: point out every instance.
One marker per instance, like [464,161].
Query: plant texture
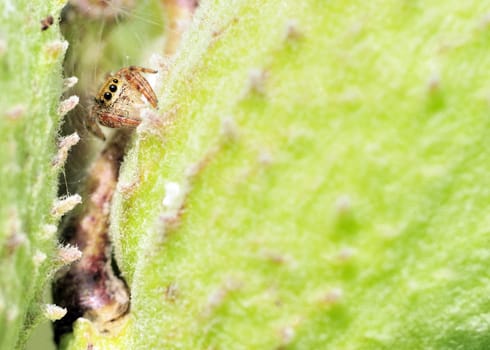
[315,177]
[31,83]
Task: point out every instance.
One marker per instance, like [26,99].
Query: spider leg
[116,121]
[137,81]
[141,69]
[93,127]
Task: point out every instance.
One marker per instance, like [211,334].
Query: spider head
[109,92]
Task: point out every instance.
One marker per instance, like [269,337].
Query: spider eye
[113,88]
[115,81]
[107,96]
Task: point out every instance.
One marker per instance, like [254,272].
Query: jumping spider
[118,103]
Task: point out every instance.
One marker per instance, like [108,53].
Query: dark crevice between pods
[90,287]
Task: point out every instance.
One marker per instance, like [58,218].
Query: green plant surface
[320,181]
[31,85]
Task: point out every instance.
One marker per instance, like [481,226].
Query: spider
[118,103]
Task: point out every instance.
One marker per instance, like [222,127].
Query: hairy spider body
[118,103]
